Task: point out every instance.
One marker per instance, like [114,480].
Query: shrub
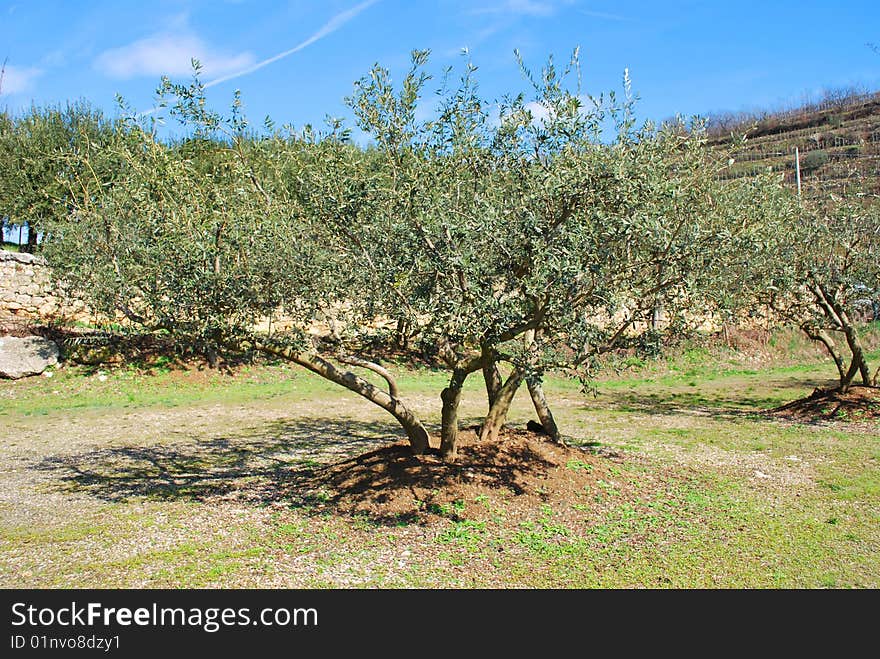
[814,160]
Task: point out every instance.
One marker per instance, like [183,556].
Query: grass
[171,479]
[87,388]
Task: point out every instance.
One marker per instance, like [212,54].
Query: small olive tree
[822,269]
[37,151]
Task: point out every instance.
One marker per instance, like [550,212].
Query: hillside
[838,140]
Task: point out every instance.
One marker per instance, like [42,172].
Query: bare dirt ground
[524,467]
[306,489]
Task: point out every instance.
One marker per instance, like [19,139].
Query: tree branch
[418,436]
[393,389]
[822,337]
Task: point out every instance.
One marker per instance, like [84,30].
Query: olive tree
[37,151]
[522,234]
[825,267]
[200,238]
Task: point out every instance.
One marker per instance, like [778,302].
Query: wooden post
[797,167]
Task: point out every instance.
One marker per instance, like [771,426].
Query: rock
[29,355]
[21,257]
[47,309]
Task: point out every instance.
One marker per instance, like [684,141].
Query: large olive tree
[534,233]
[546,230]
[202,237]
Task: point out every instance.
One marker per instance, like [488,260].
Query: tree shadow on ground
[739,402]
[252,465]
[316,465]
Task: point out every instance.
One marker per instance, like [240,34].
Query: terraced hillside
[838,141]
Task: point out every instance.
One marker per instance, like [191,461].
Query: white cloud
[540,112]
[524,7]
[168,53]
[233,72]
[17,80]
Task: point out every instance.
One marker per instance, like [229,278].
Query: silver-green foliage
[43,152]
[545,230]
[540,230]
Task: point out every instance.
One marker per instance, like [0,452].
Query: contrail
[328,28]
[602,14]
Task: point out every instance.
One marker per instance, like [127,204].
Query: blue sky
[297,60]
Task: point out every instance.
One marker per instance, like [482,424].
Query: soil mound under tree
[525,469]
[859,403]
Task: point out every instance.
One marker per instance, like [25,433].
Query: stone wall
[27,294]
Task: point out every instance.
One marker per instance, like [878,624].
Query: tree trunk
[545,416]
[451,397]
[849,376]
[498,412]
[393,389]
[835,311]
[656,315]
[536,390]
[31,246]
[491,375]
[402,334]
[858,363]
[865,372]
[858,353]
[419,439]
